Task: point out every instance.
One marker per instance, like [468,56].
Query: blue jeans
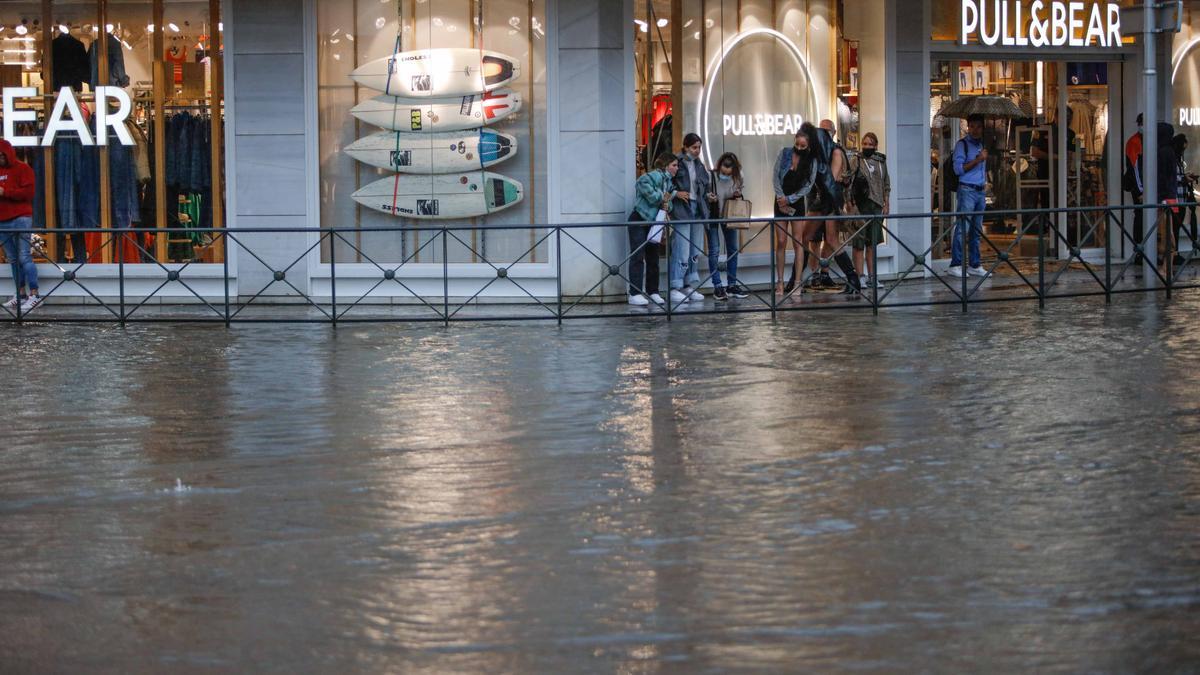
[18,250]
[969,200]
[685,251]
[715,234]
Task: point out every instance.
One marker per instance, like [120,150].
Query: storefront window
[751,73]
[149,172]
[456,136]
[1025,169]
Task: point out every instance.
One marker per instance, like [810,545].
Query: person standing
[655,190]
[1185,194]
[794,177]
[827,198]
[1131,180]
[1168,186]
[17,188]
[970,165]
[871,189]
[690,204]
[727,184]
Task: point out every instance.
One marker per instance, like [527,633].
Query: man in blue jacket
[970,165]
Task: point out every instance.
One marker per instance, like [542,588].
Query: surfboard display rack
[435,108]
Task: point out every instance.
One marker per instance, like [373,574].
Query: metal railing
[412,290]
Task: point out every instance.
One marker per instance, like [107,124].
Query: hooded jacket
[1168,184]
[19,185]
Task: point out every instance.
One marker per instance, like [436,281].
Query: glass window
[751,73]
[456,136]
[149,172]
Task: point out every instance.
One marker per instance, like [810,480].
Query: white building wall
[591,134]
[269,115]
[907,76]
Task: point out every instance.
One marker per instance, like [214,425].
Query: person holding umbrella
[970,165]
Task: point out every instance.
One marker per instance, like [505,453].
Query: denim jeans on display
[717,233]
[18,251]
[686,239]
[970,200]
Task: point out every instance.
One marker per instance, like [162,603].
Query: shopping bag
[658,228]
[735,209]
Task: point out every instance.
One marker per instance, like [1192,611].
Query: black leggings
[643,261]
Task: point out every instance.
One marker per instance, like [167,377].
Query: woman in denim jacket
[690,204]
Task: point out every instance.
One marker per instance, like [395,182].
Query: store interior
[172,176]
[1027,167]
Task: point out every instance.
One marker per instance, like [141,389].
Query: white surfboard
[446,197]
[451,152]
[434,115]
[433,73]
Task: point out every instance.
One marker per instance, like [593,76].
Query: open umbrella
[989,106]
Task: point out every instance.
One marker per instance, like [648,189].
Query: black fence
[1049,253]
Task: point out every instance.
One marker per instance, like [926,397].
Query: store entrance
[1032,165]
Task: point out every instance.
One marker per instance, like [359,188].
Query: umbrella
[988,106]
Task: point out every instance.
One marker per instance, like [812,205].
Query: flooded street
[920,491]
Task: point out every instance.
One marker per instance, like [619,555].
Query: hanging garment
[1083,123]
[71,67]
[116,63]
[178,56]
[1100,133]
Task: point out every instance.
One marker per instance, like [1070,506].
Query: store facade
[301,139]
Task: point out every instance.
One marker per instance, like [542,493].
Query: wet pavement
[919,491]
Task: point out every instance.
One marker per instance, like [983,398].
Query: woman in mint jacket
[654,190]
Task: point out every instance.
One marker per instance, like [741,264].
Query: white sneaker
[955,271]
[979,272]
[693,294]
[638,300]
[658,300]
[677,297]
[12,303]
[30,303]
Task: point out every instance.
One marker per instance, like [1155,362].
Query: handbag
[734,210]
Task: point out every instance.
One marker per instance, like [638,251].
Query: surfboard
[438,114]
[433,73]
[445,197]
[451,152]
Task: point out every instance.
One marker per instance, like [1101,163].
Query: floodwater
[1008,491]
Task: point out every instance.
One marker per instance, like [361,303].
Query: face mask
[1139,129]
[722,176]
[868,152]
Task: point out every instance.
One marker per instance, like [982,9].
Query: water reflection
[917,491]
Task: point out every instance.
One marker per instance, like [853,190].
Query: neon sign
[754,123]
[1045,24]
[68,117]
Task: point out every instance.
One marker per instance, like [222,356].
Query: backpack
[949,177]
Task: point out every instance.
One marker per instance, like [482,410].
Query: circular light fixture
[714,67]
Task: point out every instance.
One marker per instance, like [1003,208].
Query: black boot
[846,265]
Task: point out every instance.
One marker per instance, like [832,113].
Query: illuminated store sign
[760,124]
[68,117]
[1041,24]
[753,96]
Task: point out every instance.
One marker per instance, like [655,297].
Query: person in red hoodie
[17,187]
